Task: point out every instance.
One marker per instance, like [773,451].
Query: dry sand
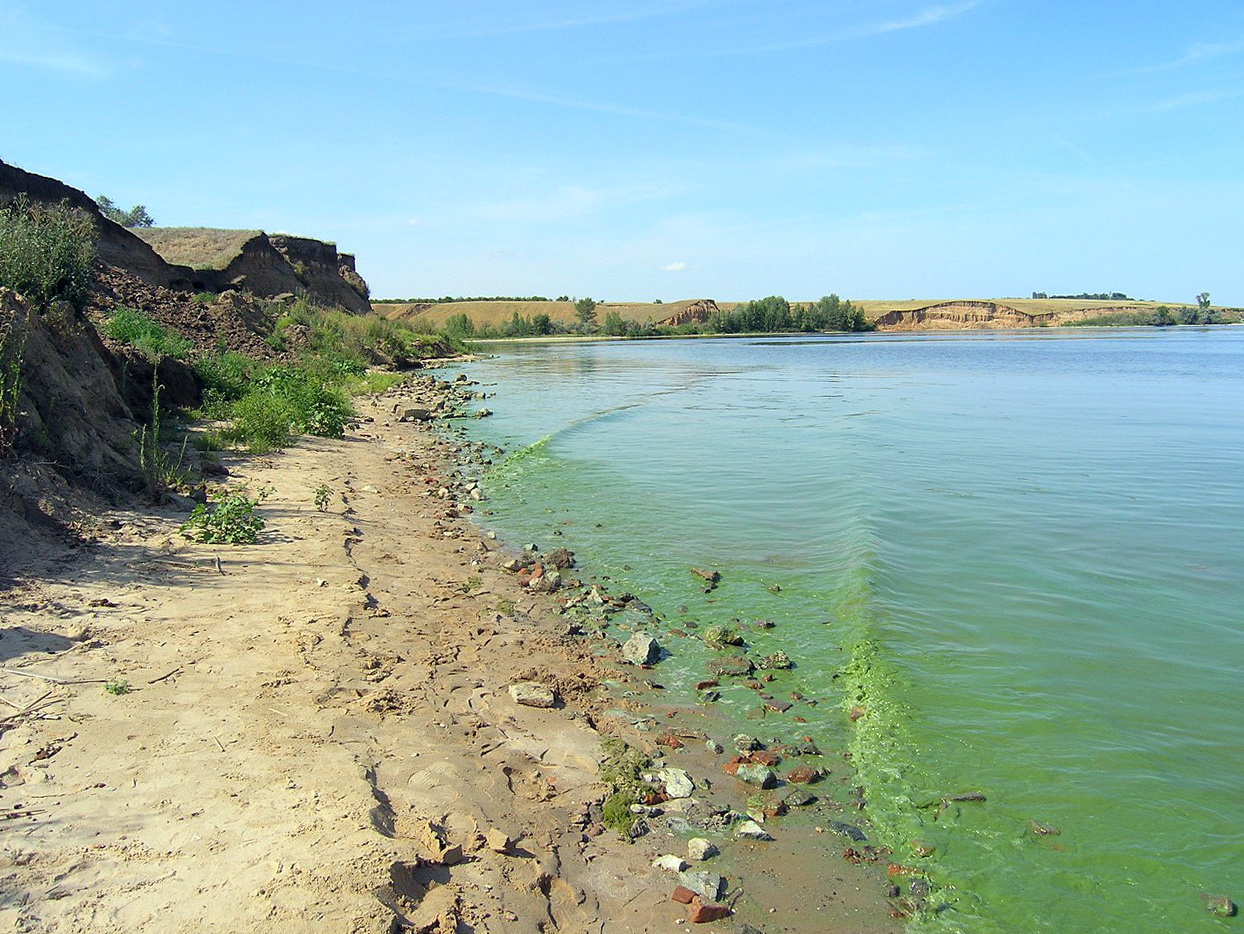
[319,735]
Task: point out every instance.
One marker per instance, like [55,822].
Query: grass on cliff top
[197,247]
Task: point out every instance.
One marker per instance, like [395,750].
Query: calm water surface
[1022,553]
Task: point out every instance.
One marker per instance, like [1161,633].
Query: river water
[1019,554]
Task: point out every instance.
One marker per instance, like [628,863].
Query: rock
[703,912]
[722,635]
[533,694]
[678,784]
[750,830]
[370,489]
[850,831]
[705,884]
[1042,829]
[483,413]
[731,666]
[745,744]
[415,415]
[1220,905]
[709,576]
[641,649]
[497,841]
[755,774]
[799,798]
[714,747]
[560,558]
[682,895]
[670,863]
[803,775]
[778,660]
[699,849]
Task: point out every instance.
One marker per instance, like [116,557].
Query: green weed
[144,334]
[232,521]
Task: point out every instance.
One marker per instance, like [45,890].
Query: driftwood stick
[165,677]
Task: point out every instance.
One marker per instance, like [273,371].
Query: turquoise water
[1021,553]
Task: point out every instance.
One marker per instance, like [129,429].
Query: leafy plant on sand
[118,686]
[232,521]
[323,495]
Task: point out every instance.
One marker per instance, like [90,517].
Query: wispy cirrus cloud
[928,16]
[674,267]
[27,42]
[1194,99]
[620,110]
[586,20]
[1197,54]
[567,202]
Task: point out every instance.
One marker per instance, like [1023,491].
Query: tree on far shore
[585,309]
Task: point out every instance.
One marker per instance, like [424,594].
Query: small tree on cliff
[1202,301]
[136,216]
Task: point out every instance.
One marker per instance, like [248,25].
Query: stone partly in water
[670,863]
[778,660]
[799,798]
[1220,905]
[641,649]
[753,774]
[731,666]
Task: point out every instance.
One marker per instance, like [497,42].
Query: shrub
[233,521]
[46,251]
[147,336]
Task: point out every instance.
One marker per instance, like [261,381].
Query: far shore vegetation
[771,315]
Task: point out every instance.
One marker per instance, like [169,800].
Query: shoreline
[318,732]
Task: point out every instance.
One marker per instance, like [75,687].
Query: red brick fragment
[703,912]
[682,895]
[705,685]
[670,740]
[765,757]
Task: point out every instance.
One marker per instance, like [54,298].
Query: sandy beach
[316,733]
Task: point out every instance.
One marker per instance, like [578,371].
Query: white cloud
[674,267]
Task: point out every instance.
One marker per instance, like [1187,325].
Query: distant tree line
[1162,316]
[448,299]
[772,315]
[775,314]
[1091,296]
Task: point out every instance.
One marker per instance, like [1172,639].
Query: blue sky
[664,148]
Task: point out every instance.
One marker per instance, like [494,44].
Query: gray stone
[533,694]
[799,798]
[641,649]
[678,784]
[699,849]
[750,830]
[754,774]
[706,884]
